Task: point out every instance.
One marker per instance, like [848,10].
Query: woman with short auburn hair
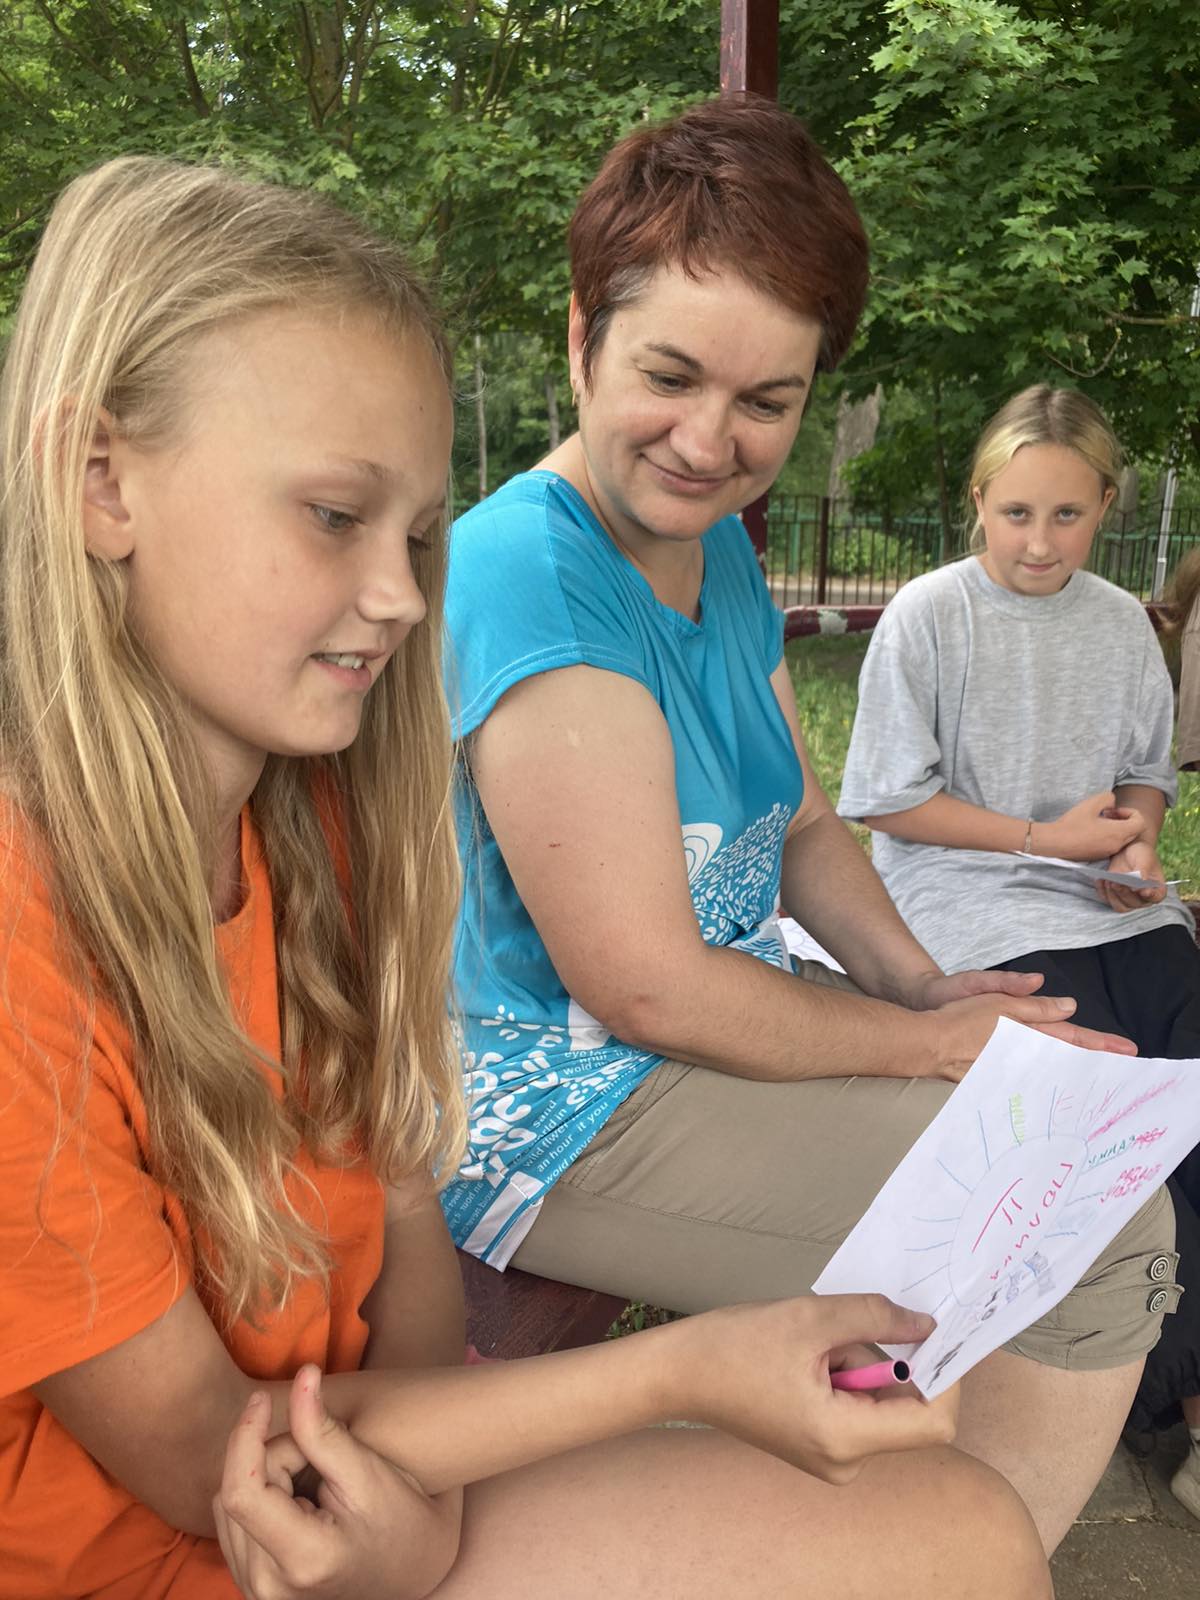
[660,1105]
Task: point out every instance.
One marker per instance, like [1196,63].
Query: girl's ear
[107,529]
[977,496]
[1109,496]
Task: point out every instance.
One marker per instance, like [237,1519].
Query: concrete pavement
[1133,1540]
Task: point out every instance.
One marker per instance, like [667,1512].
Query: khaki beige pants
[705,1189]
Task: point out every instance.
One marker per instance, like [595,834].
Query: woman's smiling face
[694,400]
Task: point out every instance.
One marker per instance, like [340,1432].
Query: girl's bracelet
[1027,849]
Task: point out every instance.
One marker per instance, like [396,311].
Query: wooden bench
[514,1313]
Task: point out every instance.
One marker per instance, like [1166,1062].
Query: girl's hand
[1136,857]
[761,1373]
[1094,830]
[374,1534]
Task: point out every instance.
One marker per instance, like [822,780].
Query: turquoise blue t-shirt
[534,584]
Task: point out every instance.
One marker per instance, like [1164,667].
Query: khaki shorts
[705,1189]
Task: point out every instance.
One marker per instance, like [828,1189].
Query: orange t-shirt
[93,1250]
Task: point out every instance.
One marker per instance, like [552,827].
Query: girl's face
[269,551]
[696,394]
[1040,514]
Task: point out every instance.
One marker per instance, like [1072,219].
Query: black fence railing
[823,551]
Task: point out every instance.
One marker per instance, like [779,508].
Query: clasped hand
[1096,829]
[372,1535]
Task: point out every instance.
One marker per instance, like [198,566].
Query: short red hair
[732,183]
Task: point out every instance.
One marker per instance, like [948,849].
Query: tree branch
[195,93]
[1095,373]
[1180,320]
[366,42]
[59,33]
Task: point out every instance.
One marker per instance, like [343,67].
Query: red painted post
[750,46]
[750,60]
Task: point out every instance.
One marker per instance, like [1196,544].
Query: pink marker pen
[881,1376]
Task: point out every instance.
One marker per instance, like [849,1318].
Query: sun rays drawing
[1032,1166]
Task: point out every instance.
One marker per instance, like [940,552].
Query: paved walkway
[1133,1540]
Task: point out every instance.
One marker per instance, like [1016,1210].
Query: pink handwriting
[1035,1221]
[1001,1205]
[1130,1181]
[1134,1105]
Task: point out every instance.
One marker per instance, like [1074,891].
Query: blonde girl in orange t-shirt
[232,1326]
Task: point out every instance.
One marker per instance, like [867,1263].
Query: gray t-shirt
[1023,705]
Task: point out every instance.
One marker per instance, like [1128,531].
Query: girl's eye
[334,521]
[768,410]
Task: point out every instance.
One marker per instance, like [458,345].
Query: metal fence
[823,551]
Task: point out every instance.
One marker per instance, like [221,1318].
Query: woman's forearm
[830,887]
[756,1021]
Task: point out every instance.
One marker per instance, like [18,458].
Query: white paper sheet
[803,946]
[1039,1157]
[1087,869]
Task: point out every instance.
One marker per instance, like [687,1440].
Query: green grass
[825,675]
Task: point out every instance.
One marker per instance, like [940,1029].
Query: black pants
[1147,987]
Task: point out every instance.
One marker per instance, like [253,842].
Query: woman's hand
[761,1373]
[374,1534]
[1136,857]
[1094,830]
[960,1029]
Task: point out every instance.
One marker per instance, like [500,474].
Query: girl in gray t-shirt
[1014,708]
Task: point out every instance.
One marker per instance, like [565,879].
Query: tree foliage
[466,129]
[1030,171]
[1030,174]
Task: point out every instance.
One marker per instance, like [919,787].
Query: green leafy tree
[1030,175]
[466,130]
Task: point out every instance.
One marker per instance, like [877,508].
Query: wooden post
[750,46]
[750,60]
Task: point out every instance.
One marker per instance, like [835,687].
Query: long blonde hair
[141,259]
[1041,415]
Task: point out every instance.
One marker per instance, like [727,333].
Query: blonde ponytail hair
[1041,415]
[140,260]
